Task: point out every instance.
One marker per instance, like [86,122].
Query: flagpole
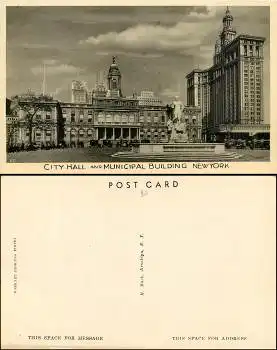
[44,80]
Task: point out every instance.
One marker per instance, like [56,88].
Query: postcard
[144,262]
[138,89]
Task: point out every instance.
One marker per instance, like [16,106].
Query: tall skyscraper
[234,84]
[198,95]
[148,98]
[79,92]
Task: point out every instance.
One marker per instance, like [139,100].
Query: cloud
[50,62]
[93,15]
[210,13]
[56,69]
[205,52]
[169,93]
[183,38]
[29,45]
[129,54]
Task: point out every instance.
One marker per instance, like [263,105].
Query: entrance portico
[117,133]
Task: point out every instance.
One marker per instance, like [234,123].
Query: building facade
[193,123]
[115,117]
[198,95]
[153,123]
[78,124]
[37,120]
[231,91]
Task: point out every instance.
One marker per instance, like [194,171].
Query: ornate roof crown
[228,16]
[114,69]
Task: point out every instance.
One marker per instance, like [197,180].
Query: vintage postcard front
[138,262]
[138,89]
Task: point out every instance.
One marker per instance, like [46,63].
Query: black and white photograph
[137,84]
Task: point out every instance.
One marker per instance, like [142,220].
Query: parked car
[267,144]
[241,144]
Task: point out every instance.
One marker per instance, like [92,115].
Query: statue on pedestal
[176,123]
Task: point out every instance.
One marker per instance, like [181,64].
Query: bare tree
[30,104]
[169,111]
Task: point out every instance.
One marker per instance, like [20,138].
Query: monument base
[214,148]
[179,151]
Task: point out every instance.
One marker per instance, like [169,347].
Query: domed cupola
[227,19]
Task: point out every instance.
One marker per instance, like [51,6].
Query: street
[104,155]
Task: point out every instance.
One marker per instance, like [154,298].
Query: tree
[30,104]
[169,111]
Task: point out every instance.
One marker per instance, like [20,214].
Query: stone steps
[183,156]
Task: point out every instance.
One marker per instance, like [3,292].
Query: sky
[155,46]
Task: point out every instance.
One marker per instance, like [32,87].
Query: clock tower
[114,80]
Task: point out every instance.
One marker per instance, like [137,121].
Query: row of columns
[121,133]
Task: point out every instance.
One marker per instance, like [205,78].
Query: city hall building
[230,93]
[103,114]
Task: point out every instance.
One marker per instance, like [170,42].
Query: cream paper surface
[98,168]
[72,254]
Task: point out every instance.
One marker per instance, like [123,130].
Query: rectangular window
[72,118]
[108,119]
[101,118]
[48,117]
